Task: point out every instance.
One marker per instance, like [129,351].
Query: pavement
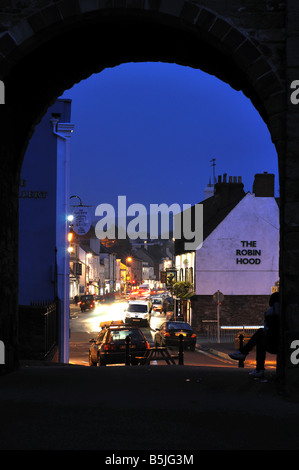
[50,406]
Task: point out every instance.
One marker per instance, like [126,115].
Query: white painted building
[241,256]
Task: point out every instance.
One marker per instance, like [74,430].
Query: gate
[38,336]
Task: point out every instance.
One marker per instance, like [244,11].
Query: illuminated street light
[70,236]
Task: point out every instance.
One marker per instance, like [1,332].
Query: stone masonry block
[173,7]
[292,47]
[205,19]
[276,127]
[190,12]
[51,15]
[7,44]
[69,8]
[268,84]
[22,31]
[120,3]
[234,39]
[103,4]
[291,212]
[276,103]
[138,4]
[152,4]
[258,68]
[247,52]
[220,28]
[291,240]
[87,6]
[36,21]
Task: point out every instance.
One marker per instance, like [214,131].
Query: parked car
[169,334]
[138,311]
[86,302]
[110,346]
[159,304]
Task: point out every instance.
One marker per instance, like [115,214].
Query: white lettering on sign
[294,358]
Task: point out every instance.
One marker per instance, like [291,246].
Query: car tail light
[147,345]
[167,334]
[109,347]
[194,335]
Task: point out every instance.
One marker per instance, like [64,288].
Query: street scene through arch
[149,130]
[254,65]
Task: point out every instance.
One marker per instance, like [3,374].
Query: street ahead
[86,325]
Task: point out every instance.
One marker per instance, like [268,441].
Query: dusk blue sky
[149,130]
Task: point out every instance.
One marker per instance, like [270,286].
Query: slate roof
[215,209]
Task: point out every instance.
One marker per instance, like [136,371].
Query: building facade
[43,227]
[239,256]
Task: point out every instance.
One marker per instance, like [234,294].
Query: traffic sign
[218,297]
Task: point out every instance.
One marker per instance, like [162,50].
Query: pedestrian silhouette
[265,339]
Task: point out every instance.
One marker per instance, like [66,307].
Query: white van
[138,311]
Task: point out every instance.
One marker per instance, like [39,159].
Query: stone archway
[47,46]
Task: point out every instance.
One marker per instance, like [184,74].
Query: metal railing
[37,330]
[227,333]
[50,319]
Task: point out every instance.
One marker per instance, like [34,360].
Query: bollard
[241,362]
[128,359]
[181,351]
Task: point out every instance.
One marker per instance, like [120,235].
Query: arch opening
[51,70]
[194,79]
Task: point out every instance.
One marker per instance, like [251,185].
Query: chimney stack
[263,185]
[229,190]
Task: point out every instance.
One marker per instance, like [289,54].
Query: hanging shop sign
[82,221]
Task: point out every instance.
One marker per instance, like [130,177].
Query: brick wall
[234,310]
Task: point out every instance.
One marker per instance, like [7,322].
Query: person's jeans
[258,340]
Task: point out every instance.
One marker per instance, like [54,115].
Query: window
[137,308]
[121,335]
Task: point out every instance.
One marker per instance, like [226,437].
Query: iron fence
[50,324]
[37,330]
[227,334]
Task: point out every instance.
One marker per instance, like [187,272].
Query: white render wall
[254,219]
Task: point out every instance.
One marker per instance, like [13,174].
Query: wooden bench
[157,354]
